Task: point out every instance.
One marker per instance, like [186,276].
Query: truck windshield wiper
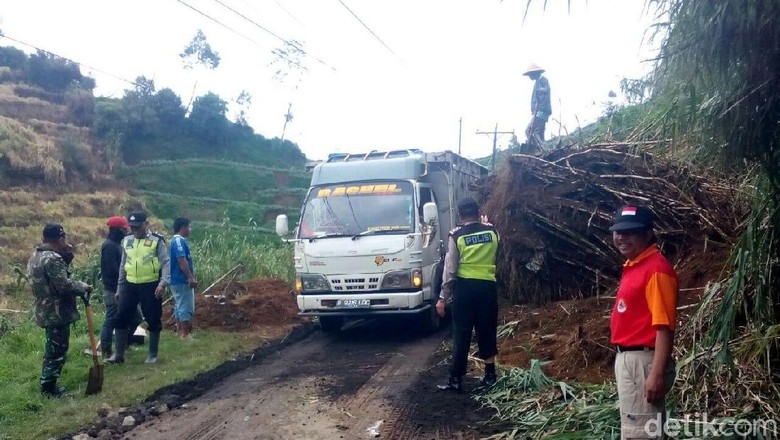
[328,235]
[379,231]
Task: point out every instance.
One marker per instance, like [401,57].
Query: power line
[368,28]
[222,24]
[265,29]
[234,31]
[3,35]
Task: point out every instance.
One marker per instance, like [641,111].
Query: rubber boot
[50,389]
[154,343]
[455,383]
[121,344]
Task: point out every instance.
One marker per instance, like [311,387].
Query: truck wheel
[430,321]
[331,324]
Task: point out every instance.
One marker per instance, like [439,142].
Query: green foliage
[534,406]
[207,118]
[199,51]
[26,414]
[56,74]
[81,106]
[202,180]
[216,250]
[76,157]
[13,58]
[716,91]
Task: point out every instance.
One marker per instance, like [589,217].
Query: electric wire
[3,35]
[368,28]
[294,44]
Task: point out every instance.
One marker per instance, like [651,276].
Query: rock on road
[369,381]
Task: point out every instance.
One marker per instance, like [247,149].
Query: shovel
[95,380]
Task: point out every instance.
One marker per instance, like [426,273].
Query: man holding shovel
[541,109]
[55,302]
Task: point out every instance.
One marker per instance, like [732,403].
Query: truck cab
[372,234]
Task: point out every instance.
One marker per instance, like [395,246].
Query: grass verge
[25,414]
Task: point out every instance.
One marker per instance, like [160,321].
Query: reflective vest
[477,245]
[141,262]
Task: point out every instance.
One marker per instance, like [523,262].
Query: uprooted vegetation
[554,214]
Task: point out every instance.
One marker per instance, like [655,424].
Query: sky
[379,74]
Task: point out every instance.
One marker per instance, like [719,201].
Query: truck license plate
[353,303]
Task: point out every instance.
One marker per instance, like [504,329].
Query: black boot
[154,343]
[121,344]
[455,383]
[490,377]
[50,389]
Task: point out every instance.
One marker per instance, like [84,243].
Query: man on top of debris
[110,261]
[541,109]
[55,302]
[144,273]
[470,281]
[183,281]
[643,322]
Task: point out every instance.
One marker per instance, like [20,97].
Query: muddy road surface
[372,380]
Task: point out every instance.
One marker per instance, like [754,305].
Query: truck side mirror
[430,213]
[282,225]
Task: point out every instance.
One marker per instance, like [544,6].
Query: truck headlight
[311,283]
[402,279]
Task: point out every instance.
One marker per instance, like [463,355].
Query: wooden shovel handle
[91,334]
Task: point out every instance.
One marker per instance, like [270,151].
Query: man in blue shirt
[183,280]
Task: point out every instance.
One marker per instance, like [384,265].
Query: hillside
[62,161]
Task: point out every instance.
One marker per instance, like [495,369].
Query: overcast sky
[429,63]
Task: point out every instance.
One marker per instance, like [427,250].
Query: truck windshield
[355,208]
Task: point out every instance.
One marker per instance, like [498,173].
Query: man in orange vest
[643,323]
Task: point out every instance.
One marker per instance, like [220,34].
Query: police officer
[470,282]
[55,302]
[144,273]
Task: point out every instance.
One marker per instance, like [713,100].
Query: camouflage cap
[53,231]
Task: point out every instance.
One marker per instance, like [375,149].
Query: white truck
[372,234]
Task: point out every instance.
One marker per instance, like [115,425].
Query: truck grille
[344,284]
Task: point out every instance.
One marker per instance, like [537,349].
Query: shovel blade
[95,380]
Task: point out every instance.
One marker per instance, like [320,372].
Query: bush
[12,58]
[81,106]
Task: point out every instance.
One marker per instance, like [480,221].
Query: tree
[244,102]
[199,52]
[137,103]
[168,107]
[207,118]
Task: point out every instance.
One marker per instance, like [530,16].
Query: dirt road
[371,380]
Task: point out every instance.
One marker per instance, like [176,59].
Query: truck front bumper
[380,304]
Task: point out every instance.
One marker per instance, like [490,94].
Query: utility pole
[495,134]
[460,131]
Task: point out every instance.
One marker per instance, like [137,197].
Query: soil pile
[248,306]
[554,212]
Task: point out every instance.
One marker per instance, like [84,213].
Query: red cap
[117,221]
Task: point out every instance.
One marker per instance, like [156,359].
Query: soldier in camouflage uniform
[55,302]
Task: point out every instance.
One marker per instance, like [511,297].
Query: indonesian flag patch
[629,210]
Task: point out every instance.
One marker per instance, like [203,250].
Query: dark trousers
[112,313]
[151,307]
[474,306]
[56,347]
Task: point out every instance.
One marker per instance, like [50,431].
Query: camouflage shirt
[55,293]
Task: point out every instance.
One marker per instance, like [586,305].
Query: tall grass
[217,250]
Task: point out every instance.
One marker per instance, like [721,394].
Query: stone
[128,421]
